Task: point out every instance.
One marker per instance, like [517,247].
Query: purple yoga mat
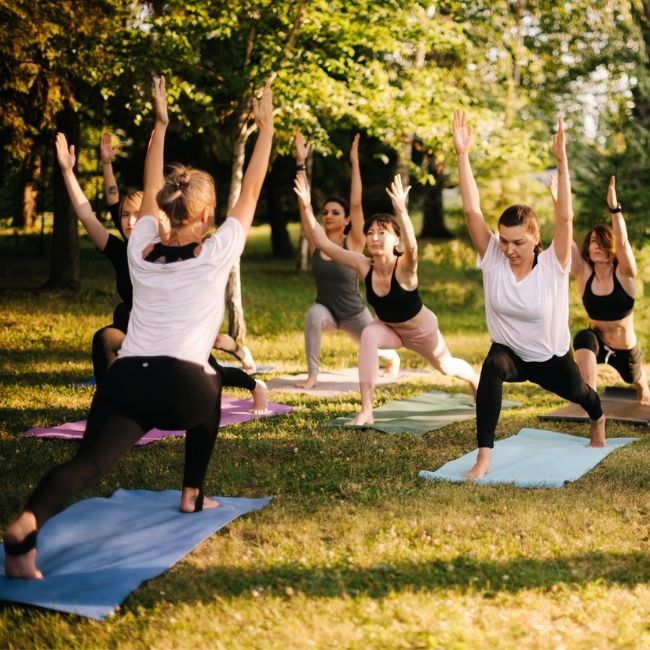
[233,411]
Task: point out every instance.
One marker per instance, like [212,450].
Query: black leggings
[560,375]
[138,394]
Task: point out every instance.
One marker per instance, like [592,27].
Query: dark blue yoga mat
[94,553]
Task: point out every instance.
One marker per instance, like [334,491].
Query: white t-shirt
[530,316]
[178,307]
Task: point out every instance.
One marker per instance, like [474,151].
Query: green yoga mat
[420,414]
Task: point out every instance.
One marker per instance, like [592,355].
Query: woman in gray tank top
[339,304]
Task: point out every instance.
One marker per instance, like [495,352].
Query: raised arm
[563,230]
[107,155]
[579,267]
[478,230]
[624,253]
[398,197]
[315,233]
[154,162]
[94,228]
[244,208]
[356,238]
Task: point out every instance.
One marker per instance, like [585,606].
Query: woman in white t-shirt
[162,377]
[526,300]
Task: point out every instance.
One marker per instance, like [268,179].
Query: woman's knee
[586,340]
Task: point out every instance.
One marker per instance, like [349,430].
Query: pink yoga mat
[233,411]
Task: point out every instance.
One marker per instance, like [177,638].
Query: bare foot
[247,362]
[597,432]
[643,394]
[363,417]
[22,566]
[308,383]
[189,497]
[260,403]
[391,371]
[483,464]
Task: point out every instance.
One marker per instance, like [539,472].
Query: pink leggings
[425,339]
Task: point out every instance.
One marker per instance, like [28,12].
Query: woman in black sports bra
[607,278]
[392,289]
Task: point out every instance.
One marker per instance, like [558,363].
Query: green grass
[354,551]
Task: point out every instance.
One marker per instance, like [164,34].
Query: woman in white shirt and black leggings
[162,378]
[526,300]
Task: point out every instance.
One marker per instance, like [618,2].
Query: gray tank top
[337,287]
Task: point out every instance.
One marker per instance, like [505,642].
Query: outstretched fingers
[160,99]
[263,108]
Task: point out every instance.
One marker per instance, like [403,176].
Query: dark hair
[346,209]
[384,219]
[606,239]
[185,193]
[522,215]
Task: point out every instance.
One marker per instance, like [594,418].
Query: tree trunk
[433,223]
[275,189]
[64,261]
[30,179]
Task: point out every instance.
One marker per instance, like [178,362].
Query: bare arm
[154,162]
[626,262]
[563,208]
[578,265]
[107,154]
[80,203]
[398,196]
[356,238]
[244,208]
[302,153]
[315,233]
[478,230]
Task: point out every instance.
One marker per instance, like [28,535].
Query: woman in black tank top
[392,289]
[607,278]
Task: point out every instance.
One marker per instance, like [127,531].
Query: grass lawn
[354,551]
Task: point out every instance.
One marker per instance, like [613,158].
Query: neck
[181,236]
[335,236]
[603,269]
[384,262]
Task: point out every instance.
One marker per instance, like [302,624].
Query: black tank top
[168,254]
[614,306]
[398,305]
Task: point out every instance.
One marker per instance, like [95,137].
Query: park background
[354,551]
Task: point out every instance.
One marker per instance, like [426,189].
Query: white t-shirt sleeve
[228,242]
[144,232]
[492,254]
[552,261]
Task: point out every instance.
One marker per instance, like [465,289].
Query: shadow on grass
[463,573]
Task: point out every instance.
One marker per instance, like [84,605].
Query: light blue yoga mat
[94,553]
[420,414]
[532,458]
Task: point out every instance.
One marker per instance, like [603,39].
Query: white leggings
[425,339]
[319,319]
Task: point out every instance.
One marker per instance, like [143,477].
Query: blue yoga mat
[94,553]
[532,458]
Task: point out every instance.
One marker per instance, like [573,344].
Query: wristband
[301,167]
[617,210]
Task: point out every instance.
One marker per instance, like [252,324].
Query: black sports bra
[398,305]
[614,306]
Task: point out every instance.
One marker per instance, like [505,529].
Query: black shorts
[628,363]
